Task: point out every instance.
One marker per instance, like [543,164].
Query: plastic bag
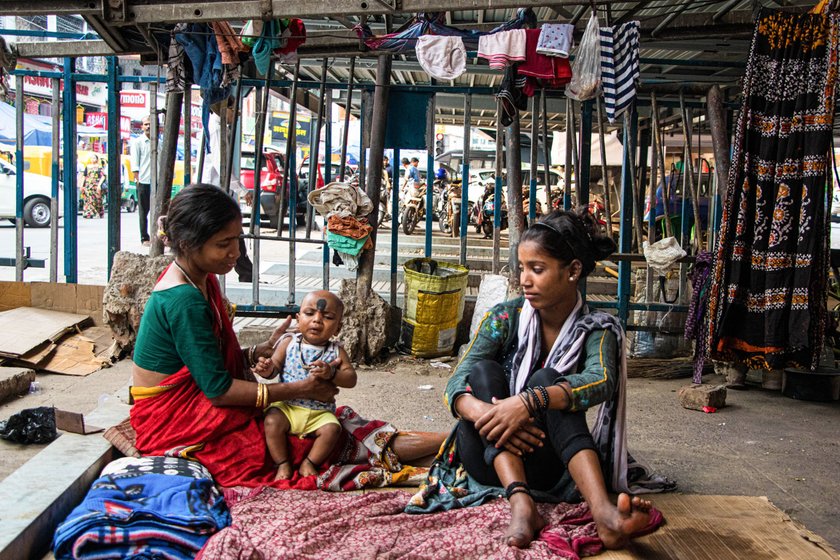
[586,68]
[32,425]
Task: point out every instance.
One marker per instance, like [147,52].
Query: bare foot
[284,471]
[629,516]
[307,468]
[525,521]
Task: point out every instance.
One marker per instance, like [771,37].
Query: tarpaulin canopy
[37,129]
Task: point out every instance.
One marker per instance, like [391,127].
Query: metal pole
[546,152]
[259,135]
[19,172]
[153,145]
[229,130]
[71,200]
[56,169]
[720,139]
[316,144]
[166,172]
[345,133]
[465,179]
[327,180]
[114,163]
[395,209]
[497,193]
[575,154]
[651,218]
[654,110]
[604,172]
[188,134]
[625,240]
[291,147]
[570,138]
[364,276]
[532,184]
[430,173]
[514,197]
[585,155]
[689,172]
[199,166]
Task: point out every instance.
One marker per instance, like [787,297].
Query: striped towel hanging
[619,66]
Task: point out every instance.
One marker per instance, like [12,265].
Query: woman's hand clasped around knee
[509,424]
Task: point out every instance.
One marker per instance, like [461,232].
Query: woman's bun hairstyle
[571,234]
[196,214]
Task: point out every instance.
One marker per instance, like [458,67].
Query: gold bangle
[265,396]
[259,394]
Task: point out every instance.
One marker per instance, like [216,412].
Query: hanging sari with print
[767,302]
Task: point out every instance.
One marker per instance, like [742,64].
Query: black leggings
[567,432]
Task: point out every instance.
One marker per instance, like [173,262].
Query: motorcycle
[484,210]
[449,214]
[414,208]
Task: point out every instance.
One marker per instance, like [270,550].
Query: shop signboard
[279,126]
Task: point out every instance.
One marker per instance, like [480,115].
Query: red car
[271,179]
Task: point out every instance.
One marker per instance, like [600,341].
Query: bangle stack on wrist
[262,396]
[536,400]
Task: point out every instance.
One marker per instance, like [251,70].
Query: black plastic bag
[33,425]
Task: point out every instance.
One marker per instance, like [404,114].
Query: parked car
[271,180]
[36,200]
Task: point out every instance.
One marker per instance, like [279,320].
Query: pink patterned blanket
[270,523]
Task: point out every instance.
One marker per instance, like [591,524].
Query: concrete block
[695,397]
[15,381]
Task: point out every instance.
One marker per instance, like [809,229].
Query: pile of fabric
[149,507]
[345,207]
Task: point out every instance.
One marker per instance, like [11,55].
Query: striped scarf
[619,66]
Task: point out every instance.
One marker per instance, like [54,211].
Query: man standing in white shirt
[141,166]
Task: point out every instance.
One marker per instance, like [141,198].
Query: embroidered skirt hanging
[767,302]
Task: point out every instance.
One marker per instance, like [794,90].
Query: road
[93,249]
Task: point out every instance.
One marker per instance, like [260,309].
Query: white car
[36,200]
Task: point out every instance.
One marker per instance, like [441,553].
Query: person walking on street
[141,166]
[93,189]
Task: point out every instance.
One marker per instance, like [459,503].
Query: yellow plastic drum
[434,305]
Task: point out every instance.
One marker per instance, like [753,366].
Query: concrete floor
[761,444]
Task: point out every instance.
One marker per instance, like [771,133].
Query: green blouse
[176,330]
[497,339]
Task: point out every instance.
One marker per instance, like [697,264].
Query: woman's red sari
[176,419]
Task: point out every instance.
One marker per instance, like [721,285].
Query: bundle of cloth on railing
[345,208]
[149,507]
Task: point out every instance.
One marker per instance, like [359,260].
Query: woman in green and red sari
[193,397]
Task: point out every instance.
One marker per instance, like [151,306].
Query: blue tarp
[36,132]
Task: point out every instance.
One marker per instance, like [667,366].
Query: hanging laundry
[404,40]
[554,72]
[342,199]
[503,49]
[292,36]
[346,245]
[251,31]
[176,70]
[232,50]
[619,67]
[200,47]
[265,45]
[767,304]
[444,58]
[699,275]
[348,226]
[556,39]
[512,95]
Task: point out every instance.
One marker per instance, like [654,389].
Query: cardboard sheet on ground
[724,528]
[26,328]
[80,353]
